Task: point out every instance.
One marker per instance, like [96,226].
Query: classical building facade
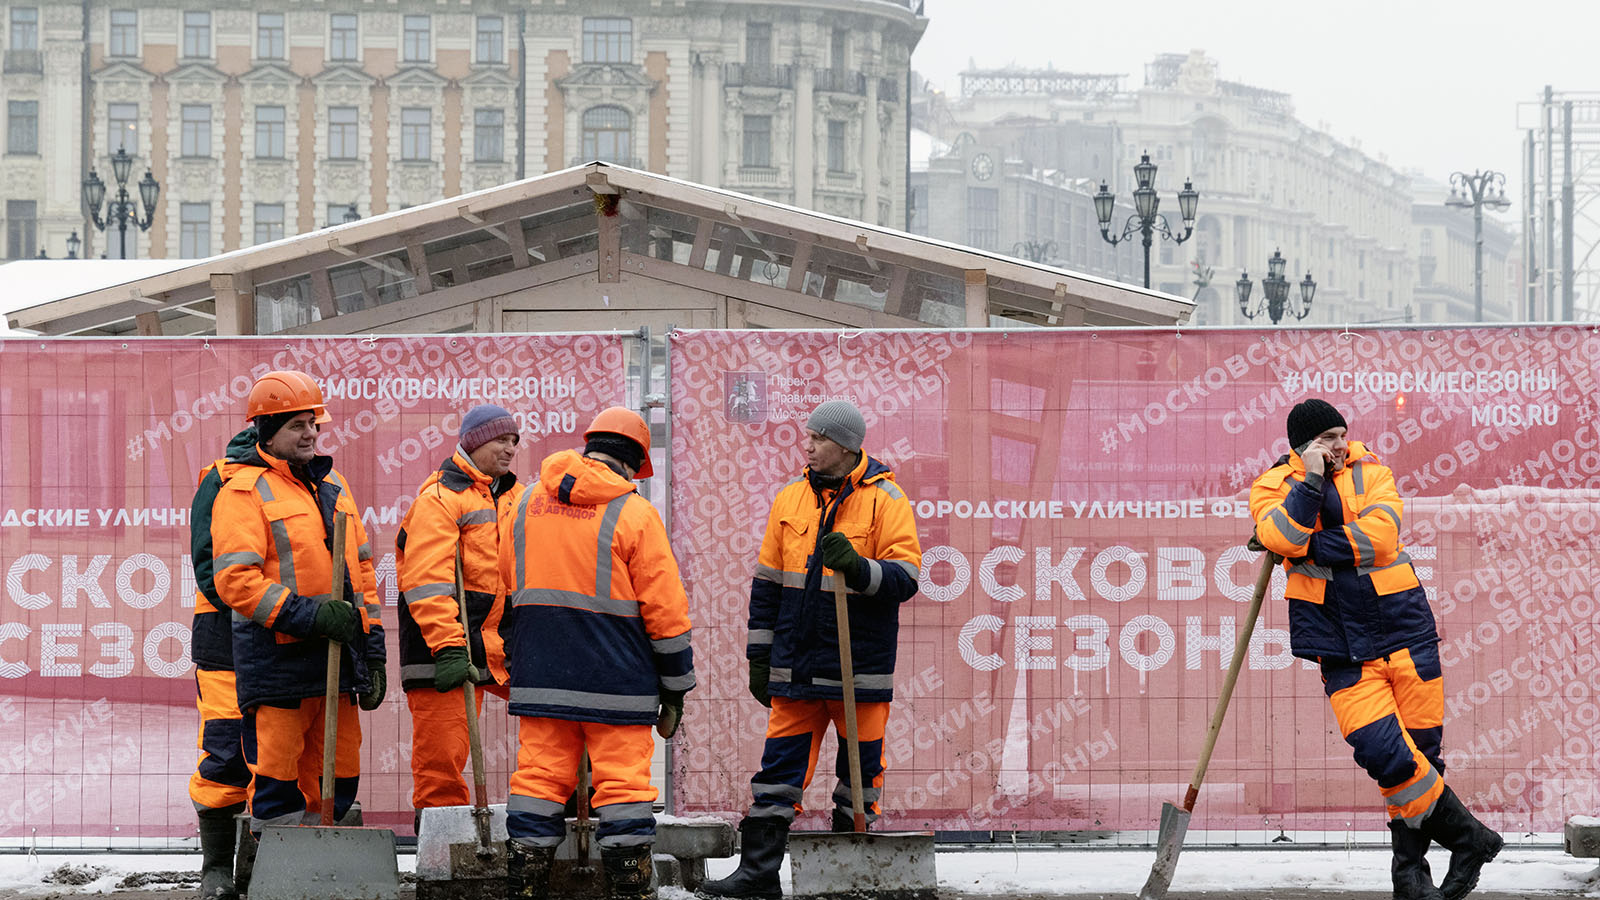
[1443,240]
[265,120]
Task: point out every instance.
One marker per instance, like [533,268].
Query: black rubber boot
[762,841]
[528,871]
[1470,842]
[216,853]
[1412,879]
[629,872]
[845,822]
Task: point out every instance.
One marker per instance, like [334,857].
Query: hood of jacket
[572,478]
[1355,452]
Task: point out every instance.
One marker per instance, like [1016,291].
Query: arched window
[608,134]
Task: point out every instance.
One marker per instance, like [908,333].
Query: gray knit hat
[839,421]
[483,424]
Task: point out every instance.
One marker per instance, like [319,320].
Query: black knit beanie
[268,424]
[624,450]
[1310,418]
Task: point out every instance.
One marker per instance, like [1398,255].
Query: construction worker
[1330,508]
[456,513]
[596,648]
[844,517]
[271,535]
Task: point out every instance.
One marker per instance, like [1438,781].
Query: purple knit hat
[483,424]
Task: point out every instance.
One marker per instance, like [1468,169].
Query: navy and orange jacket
[211,636]
[458,507]
[1352,592]
[792,620]
[271,536]
[596,624]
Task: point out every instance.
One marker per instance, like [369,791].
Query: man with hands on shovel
[843,518]
[272,539]
[1330,508]
[596,650]
[457,512]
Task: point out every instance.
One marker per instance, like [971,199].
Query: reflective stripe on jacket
[792,620]
[596,621]
[458,506]
[1352,591]
[270,534]
[211,636]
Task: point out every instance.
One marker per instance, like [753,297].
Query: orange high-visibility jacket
[273,567]
[596,622]
[457,507]
[211,635]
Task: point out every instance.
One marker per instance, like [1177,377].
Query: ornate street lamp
[1478,190]
[1146,221]
[74,244]
[1274,292]
[122,208]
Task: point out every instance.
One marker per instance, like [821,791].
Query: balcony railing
[758,75]
[842,81]
[632,162]
[20,61]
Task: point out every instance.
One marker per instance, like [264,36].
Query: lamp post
[1274,292]
[74,243]
[1478,190]
[1146,221]
[121,209]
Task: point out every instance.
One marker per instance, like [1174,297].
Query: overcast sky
[1428,84]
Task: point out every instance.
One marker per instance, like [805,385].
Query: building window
[491,39]
[836,157]
[22,127]
[124,33]
[269,132]
[758,43]
[757,142]
[342,39]
[269,36]
[22,229]
[196,135]
[196,35]
[24,28]
[343,213]
[269,222]
[838,48]
[607,40]
[122,128]
[607,134]
[1166,253]
[489,135]
[983,218]
[341,132]
[418,45]
[194,230]
[416,134]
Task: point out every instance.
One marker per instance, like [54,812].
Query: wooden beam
[702,242]
[797,268]
[149,324]
[725,253]
[977,298]
[899,301]
[236,303]
[763,294]
[518,242]
[322,293]
[610,242]
[420,274]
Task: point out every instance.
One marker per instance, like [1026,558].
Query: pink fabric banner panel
[1081,500]
[101,442]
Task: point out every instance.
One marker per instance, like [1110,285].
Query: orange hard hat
[286,391]
[624,421]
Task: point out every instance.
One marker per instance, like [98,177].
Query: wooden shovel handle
[841,612]
[480,790]
[330,697]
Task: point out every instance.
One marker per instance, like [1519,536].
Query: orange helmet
[286,391]
[624,421]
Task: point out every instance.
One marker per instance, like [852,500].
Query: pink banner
[1081,499]
[100,445]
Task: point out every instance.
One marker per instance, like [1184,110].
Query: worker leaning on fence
[456,512]
[844,517]
[596,647]
[271,533]
[1356,607]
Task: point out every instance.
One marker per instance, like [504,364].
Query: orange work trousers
[280,743]
[548,751]
[439,745]
[221,778]
[1391,712]
[795,729]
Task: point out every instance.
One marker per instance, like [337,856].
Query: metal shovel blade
[1169,843]
[308,863]
[863,866]
[451,864]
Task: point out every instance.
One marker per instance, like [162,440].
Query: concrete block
[871,866]
[447,847]
[1583,837]
[694,840]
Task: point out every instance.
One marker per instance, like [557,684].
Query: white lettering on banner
[45,518]
[536,387]
[1027,642]
[1497,381]
[1194,508]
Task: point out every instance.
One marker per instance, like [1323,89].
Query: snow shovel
[1174,819]
[574,873]
[895,865]
[326,862]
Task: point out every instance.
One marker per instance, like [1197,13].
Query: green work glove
[336,620]
[760,671]
[671,713]
[838,555]
[452,666]
[380,686]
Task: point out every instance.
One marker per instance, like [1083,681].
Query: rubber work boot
[528,871]
[762,840]
[216,853]
[1412,879]
[845,823]
[630,875]
[1470,842]
[244,862]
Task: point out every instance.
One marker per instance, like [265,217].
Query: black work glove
[336,620]
[452,666]
[760,671]
[838,555]
[379,679]
[671,713]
